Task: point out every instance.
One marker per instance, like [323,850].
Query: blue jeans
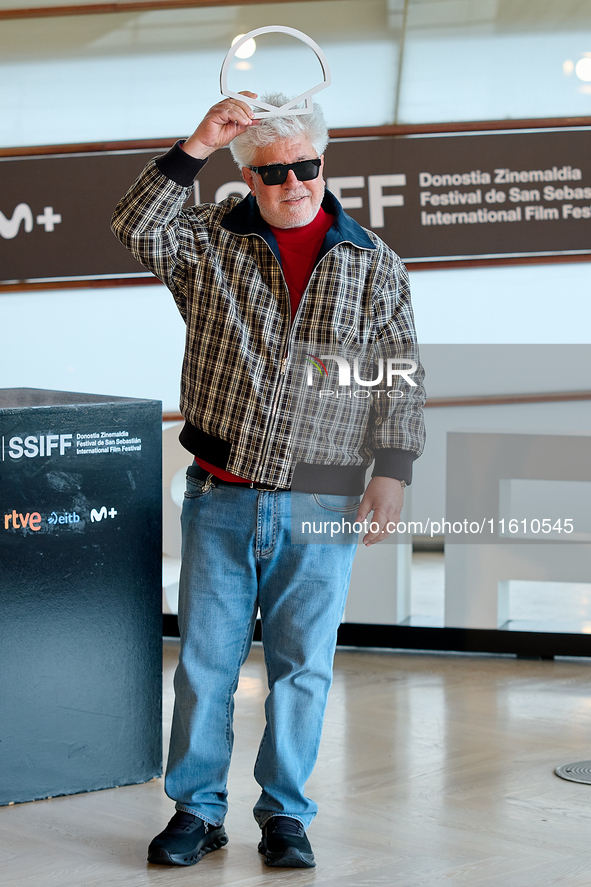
[238,556]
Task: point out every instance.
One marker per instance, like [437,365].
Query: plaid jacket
[221,263]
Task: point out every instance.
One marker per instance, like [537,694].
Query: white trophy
[290,108]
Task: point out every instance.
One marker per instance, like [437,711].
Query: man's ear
[248,177]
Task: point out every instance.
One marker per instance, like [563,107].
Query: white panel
[520,304]
[497,76]
[127,341]
[428,486]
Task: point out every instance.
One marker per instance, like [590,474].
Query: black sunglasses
[276,173]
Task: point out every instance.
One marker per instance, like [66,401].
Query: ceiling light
[583,69]
[247,49]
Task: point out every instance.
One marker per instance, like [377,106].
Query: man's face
[293,203]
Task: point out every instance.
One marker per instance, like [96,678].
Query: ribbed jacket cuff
[394,463]
[179,166]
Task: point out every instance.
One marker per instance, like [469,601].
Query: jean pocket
[196,488]
[337,504]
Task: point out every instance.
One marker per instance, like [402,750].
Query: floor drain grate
[580,771]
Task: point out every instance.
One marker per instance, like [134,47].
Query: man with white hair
[256,280]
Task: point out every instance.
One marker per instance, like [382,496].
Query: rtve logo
[41,445]
[375,189]
[9,228]
[18,521]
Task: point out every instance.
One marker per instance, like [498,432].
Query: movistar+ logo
[23,214]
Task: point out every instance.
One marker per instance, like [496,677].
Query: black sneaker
[185,840]
[284,843]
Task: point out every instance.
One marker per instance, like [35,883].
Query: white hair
[271,129]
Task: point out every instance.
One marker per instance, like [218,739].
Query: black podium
[80,592]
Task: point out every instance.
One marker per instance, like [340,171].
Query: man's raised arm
[148,220]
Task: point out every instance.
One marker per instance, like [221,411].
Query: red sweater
[298,248]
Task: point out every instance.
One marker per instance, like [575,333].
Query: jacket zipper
[285,358]
[282,369]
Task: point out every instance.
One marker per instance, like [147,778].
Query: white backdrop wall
[129,340]
[126,341]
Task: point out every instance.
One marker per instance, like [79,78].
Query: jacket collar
[245,218]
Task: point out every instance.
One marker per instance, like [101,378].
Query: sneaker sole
[163,857]
[290,858]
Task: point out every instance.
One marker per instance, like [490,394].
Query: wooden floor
[434,770]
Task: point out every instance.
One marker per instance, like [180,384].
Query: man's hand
[220,126]
[384,496]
